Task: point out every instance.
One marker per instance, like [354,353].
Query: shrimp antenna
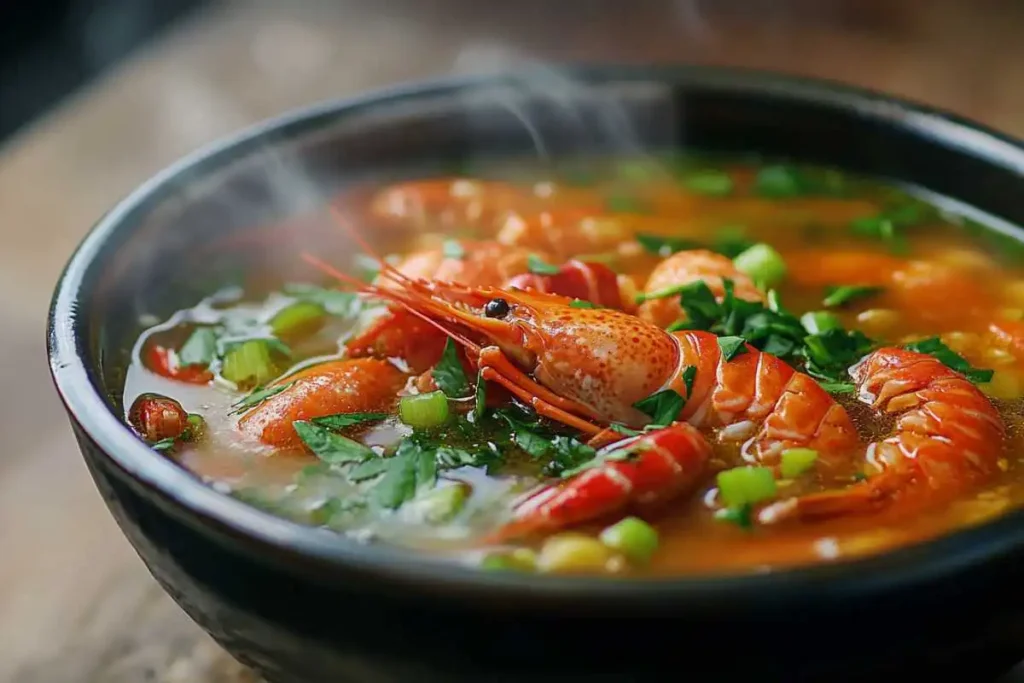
[365,288]
[385,267]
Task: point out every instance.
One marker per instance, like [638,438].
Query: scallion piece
[633,537]
[713,183]
[298,319]
[249,363]
[424,411]
[763,264]
[519,560]
[441,504]
[816,322]
[796,461]
[746,485]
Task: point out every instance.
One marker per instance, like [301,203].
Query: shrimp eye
[496,308]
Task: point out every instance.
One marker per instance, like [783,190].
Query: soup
[625,367]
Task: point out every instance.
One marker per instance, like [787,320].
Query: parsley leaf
[740,516]
[200,348]
[453,249]
[830,354]
[689,375]
[700,305]
[368,469]
[538,266]
[399,481]
[342,420]
[710,182]
[567,454]
[163,445]
[480,402]
[933,346]
[838,387]
[838,296]
[732,347]
[448,373]
[662,407]
[331,448]
[257,396]
[665,246]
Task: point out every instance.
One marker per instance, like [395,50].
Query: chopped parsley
[732,347]
[200,348]
[662,407]
[713,183]
[839,296]
[539,266]
[343,420]
[449,374]
[257,396]
[933,346]
[330,447]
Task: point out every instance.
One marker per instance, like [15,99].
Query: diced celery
[249,363]
[763,264]
[298,319]
[633,537]
[796,461]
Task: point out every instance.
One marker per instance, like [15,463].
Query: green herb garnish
[933,346]
[449,374]
[333,301]
[665,246]
[480,402]
[343,420]
[582,303]
[164,444]
[539,266]
[710,182]
[689,375]
[662,407]
[200,348]
[330,447]
[732,347]
[839,296]
[257,396]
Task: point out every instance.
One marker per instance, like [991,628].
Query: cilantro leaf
[830,354]
[257,396]
[714,183]
[838,387]
[665,246]
[200,348]
[342,420]
[330,447]
[700,305]
[480,402]
[838,296]
[933,346]
[567,454]
[538,266]
[368,469]
[662,407]
[689,375]
[448,373]
[398,483]
[164,445]
[732,347]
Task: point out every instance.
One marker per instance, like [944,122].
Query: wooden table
[76,605]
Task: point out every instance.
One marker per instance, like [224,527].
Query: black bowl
[302,605]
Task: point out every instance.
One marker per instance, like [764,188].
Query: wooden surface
[76,605]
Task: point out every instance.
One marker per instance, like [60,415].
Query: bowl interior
[255,202]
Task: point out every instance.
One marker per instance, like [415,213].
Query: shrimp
[948,439]
[593,282]
[399,334]
[689,266]
[360,385]
[587,368]
[646,469]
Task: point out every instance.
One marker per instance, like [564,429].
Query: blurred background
[97,95]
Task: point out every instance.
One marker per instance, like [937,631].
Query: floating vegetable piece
[423,411]
[299,319]
[633,537]
[249,363]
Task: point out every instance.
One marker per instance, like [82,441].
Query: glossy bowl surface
[305,606]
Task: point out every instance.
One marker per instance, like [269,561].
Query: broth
[920,274]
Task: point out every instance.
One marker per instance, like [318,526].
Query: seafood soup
[629,367]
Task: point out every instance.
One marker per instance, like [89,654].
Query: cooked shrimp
[360,385]
[640,470]
[689,266]
[399,334]
[948,439]
[593,282]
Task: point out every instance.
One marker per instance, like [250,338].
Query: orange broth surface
[939,274]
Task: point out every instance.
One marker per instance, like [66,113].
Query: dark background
[49,48]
